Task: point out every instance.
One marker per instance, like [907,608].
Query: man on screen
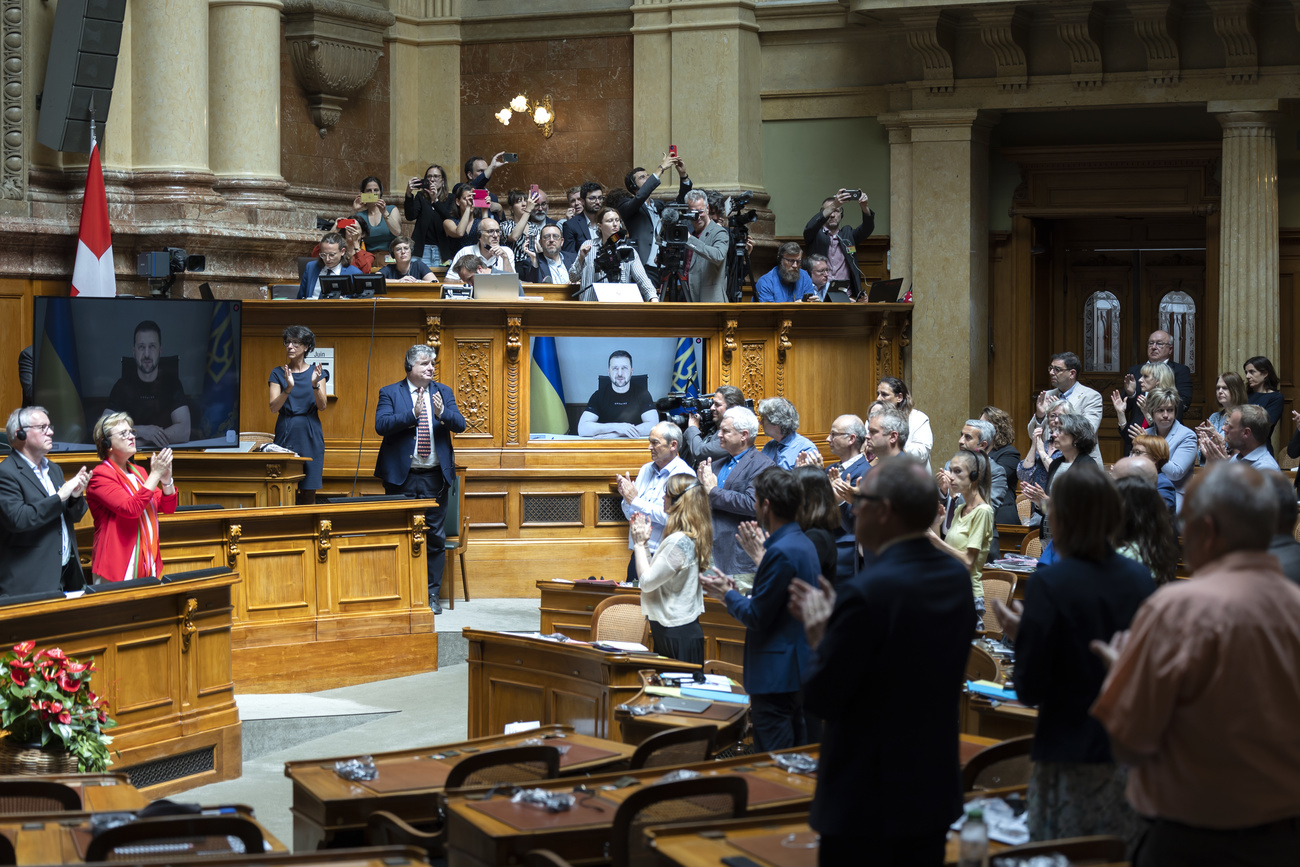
[152,398]
[621,406]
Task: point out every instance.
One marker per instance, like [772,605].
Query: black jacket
[816,241]
[30,540]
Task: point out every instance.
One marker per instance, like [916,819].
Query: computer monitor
[335,286]
[886,291]
[367,286]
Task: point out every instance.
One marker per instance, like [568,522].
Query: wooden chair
[981,665]
[544,858]
[727,669]
[386,829]
[619,618]
[1032,546]
[1000,586]
[37,796]
[744,744]
[676,747]
[697,800]
[456,523]
[1080,850]
[7,854]
[999,766]
[171,838]
[1024,508]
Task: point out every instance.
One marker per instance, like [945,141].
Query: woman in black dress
[298,395]
[1262,385]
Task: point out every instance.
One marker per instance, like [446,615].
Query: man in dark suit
[582,228]
[330,263]
[548,264]
[826,236]
[776,652]
[38,511]
[1160,350]
[640,213]
[901,628]
[416,417]
[731,489]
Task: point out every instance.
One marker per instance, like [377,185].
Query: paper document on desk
[630,646]
[718,682]
[990,689]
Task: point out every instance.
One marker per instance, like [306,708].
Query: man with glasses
[787,281]
[582,227]
[1063,370]
[641,214]
[39,511]
[1160,350]
[529,214]
[645,496]
[548,264]
[500,259]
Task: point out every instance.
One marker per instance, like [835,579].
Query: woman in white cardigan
[609,262]
[671,596]
[920,439]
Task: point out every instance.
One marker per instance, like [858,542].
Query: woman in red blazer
[125,501]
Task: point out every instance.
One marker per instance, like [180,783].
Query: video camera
[690,405]
[161,268]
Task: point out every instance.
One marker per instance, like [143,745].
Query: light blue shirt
[649,500]
[770,287]
[1260,459]
[785,452]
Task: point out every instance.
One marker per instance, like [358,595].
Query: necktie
[422,430]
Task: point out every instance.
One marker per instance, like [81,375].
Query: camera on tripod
[689,405]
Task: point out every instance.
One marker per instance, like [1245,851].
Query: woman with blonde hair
[125,501]
[671,595]
[1131,403]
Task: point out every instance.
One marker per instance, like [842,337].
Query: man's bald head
[1135,466]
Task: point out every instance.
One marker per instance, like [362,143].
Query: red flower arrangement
[46,699]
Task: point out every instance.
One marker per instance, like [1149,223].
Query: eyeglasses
[840,433]
[595,198]
[489,231]
[126,433]
[39,428]
[1159,343]
[1055,369]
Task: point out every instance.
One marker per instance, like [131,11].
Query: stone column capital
[941,124]
[1248,122]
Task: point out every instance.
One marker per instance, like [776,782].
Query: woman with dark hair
[920,438]
[1229,391]
[671,596]
[427,205]
[1142,537]
[819,518]
[1004,454]
[1262,390]
[610,259]
[460,221]
[297,397]
[380,217]
[1077,788]
[1075,439]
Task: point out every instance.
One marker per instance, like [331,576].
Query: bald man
[1160,350]
[1144,468]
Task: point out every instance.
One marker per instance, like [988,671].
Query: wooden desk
[728,717]
[364,856]
[162,656]
[566,608]
[1011,537]
[477,839]
[100,793]
[1006,720]
[325,805]
[514,678]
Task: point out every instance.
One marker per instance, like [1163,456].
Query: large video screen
[172,365]
[608,387]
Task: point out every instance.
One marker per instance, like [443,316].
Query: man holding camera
[787,281]
[641,214]
[707,244]
[549,264]
[698,446]
[498,258]
[825,235]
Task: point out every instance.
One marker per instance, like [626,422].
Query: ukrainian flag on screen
[686,373]
[547,390]
[58,376]
[220,376]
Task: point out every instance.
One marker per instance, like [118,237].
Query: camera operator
[707,243]
[612,260]
[701,435]
[825,235]
[641,214]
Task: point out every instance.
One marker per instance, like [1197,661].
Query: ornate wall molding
[13,169]
[1156,23]
[514,344]
[335,46]
[1235,22]
[1005,31]
[752,369]
[1080,28]
[473,379]
[433,337]
[323,539]
[930,34]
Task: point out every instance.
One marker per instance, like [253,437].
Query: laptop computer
[886,291]
[497,287]
[623,293]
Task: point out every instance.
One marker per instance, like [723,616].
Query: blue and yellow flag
[548,414]
[221,374]
[686,373]
[58,375]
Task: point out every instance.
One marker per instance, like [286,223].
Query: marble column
[949,266]
[244,94]
[169,103]
[424,91]
[900,197]
[1248,234]
[652,81]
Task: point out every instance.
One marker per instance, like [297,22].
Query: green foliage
[46,699]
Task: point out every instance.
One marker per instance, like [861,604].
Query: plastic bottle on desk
[974,849]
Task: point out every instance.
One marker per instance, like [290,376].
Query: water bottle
[974,850]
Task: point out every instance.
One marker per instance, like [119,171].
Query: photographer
[614,260]
[707,244]
[642,214]
[427,204]
[702,433]
[825,235]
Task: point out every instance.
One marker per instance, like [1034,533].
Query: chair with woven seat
[999,766]
[1024,508]
[619,618]
[170,838]
[981,665]
[676,747]
[1032,544]
[37,796]
[697,800]
[1079,850]
[1000,586]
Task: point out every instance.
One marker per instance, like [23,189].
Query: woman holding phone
[461,223]
[380,217]
[427,205]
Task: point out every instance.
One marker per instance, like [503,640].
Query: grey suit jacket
[732,503]
[707,277]
[30,541]
[1083,400]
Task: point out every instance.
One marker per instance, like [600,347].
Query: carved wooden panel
[213,674]
[151,690]
[369,576]
[293,587]
[486,509]
[473,384]
[514,343]
[514,701]
[753,369]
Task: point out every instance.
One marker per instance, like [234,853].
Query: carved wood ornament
[335,47]
[473,377]
[323,539]
[514,344]
[232,544]
[417,534]
[187,623]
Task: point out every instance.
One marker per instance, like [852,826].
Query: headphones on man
[21,433]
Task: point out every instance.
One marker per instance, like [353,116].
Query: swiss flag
[92,276]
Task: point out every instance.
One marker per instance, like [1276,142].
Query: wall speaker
[83,62]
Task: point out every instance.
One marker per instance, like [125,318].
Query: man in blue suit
[776,652]
[900,628]
[416,417]
[330,264]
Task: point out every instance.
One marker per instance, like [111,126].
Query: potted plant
[55,722]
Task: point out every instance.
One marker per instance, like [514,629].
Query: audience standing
[731,490]
[698,447]
[1160,351]
[1143,536]
[645,496]
[826,235]
[920,438]
[1064,371]
[971,532]
[381,219]
[428,205]
[1156,450]
[1262,390]
[125,501]
[781,424]
[1162,413]
[671,596]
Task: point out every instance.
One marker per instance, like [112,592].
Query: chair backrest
[700,799]
[37,796]
[452,521]
[729,669]
[619,618]
[676,747]
[1032,544]
[1079,850]
[999,586]
[981,665]
[168,838]
[1000,765]
[1024,507]
[506,765]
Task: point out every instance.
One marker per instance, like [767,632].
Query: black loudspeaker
[82,65]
